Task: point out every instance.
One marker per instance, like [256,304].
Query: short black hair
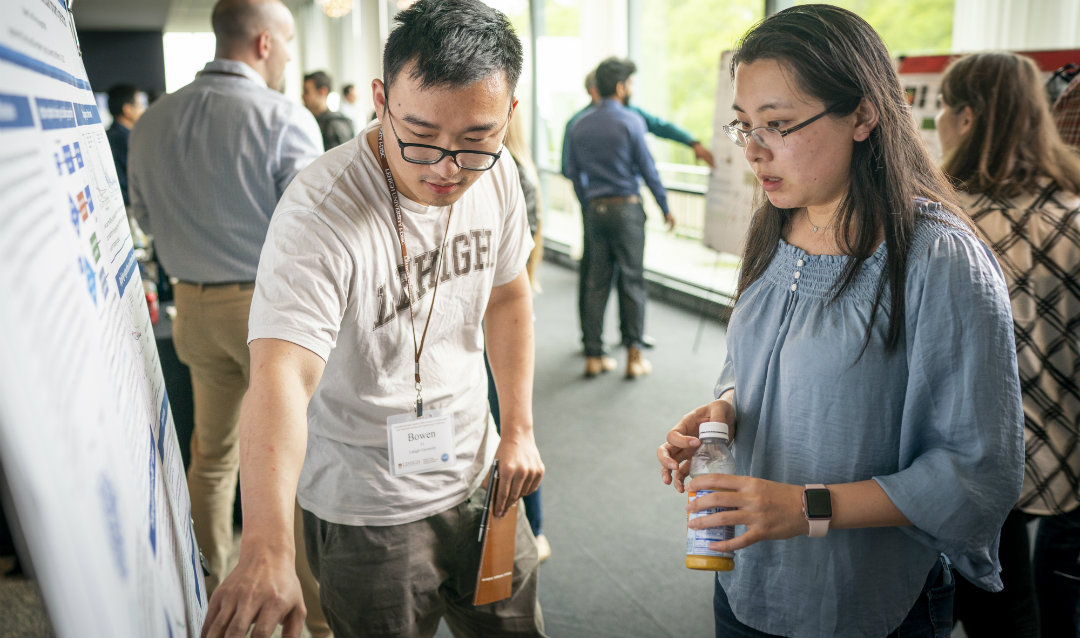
[345,90]
[454,43]
[611,72]
[119,95]
[321,79]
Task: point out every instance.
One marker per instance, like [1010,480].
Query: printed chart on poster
[729,202]
[87,443]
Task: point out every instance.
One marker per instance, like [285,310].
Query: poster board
[87,443]
[732,185]
[729,197]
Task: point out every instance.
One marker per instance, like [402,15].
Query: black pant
[1012,611]
[1057,573]
[614,240]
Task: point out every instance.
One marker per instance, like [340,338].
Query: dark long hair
[1012,142]
[834,56]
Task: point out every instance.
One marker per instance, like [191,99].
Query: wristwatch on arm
[817,508]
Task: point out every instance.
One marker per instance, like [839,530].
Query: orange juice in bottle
[713,457]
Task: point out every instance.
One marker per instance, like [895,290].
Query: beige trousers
[210,335]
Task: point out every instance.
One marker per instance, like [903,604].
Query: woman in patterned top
[1019,182]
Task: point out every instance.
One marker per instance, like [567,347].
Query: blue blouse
[937,423]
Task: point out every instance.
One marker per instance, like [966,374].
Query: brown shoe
[636,365]
[596,365]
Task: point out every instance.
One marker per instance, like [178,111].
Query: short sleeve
[516,243]
[961,453]
[300,293]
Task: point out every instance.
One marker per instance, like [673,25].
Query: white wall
[1019,25]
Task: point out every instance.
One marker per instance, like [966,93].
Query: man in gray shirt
[207,166]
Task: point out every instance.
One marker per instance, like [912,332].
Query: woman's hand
[682,441]
[769,510]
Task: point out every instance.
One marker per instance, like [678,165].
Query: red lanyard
[396,202]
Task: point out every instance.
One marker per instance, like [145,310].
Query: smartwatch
[817,508]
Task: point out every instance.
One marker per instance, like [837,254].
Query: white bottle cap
[712,429]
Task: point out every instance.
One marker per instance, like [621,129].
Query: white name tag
[420,445]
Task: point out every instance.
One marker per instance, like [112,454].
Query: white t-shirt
[329,281]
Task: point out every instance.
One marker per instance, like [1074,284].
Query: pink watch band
[818,526]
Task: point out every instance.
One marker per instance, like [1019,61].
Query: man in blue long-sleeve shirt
[607,156]
[655,125]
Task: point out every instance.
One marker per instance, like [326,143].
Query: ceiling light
[336,8]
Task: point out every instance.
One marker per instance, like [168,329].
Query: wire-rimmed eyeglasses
[767,137]
[428,154]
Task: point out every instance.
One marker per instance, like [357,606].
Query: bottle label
[697,540]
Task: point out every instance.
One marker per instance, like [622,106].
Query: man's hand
[669,221]
[703,154]
[520,469]
[262,591]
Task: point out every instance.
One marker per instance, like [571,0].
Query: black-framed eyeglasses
[767,137]
[428,154]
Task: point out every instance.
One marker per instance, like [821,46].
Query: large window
[560,76]
[679,66]
[908,27]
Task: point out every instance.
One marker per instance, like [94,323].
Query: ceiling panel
[149,15]
[121,15]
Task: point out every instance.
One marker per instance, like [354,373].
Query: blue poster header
[87,114]
[126,271]
[15,111]
[55,113]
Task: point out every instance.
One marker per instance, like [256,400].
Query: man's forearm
[273,442]
[508,333]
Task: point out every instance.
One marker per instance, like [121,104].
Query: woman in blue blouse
[870,352]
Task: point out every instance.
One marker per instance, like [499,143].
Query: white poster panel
[732,185]
[87,442]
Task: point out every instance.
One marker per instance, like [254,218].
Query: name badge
[420,445]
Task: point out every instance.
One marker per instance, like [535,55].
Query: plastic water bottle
[713,457]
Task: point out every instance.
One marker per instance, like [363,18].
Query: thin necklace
[814,227]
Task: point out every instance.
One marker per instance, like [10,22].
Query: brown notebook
[495,576]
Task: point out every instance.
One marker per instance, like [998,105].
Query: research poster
[87,443]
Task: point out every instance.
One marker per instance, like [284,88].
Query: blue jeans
[931,617]
[1057,574]
[614,243]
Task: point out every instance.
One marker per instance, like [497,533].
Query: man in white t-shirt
[389,262]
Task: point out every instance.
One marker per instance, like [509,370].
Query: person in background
[607,157]
[208,164]
[516,142]
[336,128]
[126,105]
[350,107]
[1067,113]
[870,368]
[1020,182]
[656,126]
[417,230]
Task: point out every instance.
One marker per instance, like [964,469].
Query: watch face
[818,503]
